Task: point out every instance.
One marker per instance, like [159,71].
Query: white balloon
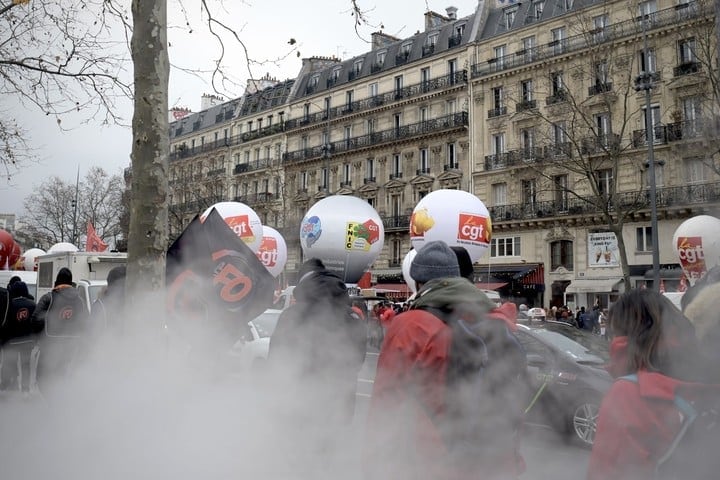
[242,220]
[407,261]
[697,244]
[29,257]
[456,217]
[63,247]
[345,232]
[273,251]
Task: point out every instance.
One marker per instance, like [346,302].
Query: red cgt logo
[473,228]
[692,257]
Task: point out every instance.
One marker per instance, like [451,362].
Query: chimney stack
[451,13]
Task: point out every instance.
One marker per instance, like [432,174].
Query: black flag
[214,280]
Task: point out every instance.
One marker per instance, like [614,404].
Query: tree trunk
[617,229]
[148,237]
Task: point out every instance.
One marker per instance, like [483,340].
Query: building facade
[533,107]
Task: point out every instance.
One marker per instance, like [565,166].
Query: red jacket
[637,421]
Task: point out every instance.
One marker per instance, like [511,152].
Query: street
[546,453]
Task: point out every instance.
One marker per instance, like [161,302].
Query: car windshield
[582,346]
[265,323]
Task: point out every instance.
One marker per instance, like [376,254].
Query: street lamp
[646,81]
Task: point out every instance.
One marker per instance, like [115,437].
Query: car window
[581,346]
[265,323]
[533,346]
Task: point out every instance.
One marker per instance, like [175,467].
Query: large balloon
[697,244]
[273,251]
[242,220]
[407,261]
[62,247]
[29,258]
[6,247]
[456,217]
[14,256]
[345,232]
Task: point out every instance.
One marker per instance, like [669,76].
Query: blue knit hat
[434,260]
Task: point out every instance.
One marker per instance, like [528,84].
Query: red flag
[94,243]
[683,284]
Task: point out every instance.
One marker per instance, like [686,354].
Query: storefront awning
[526,273]
[491,285]
[593,285]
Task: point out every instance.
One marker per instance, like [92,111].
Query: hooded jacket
[637,420]
[53,302]
[17,326]
[410,390]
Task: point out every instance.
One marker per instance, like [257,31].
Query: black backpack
[66,316]
[486,386]
[692,454]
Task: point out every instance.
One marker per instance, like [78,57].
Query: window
[424,164]
[450,107]
[347,173]
[696,170]
[561,192]
[370,126]
[499,194]
[557,86]
[643,236]
[267,152]
[505,247]
[452,70]
[646,11]
[605,181]
[327,103]
[257,154]
[692,116]
[324,178]
[314,80]
[452,161]
[397,165]
[336,73]
[499,59]
[600,24]
[306,115]
[558,40]
[528,46]
[526,91]
[303,144]
[380,57]
[347,134]
[659,175]
[509,16]
[423,114]
[357,66]
[398,82]
[498,100]
[246,156]
[498,144]
[536,10]
[658,132]
[527,141]
[601,72]
[370,168]
[405,49]
[395,205]
[373,89]
[397,252]
[529,192]
[565,5]
[648,62]
[559,135]
[348,100]
[686,51]
[602,128]
[397,123]
[425,78]
[561,255]
[459,30]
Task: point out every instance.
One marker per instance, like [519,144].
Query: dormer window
[432,39]
[405,49]
[357,66]
[459,30]
[336,73]
[509,16]
[314,80]
[381,57]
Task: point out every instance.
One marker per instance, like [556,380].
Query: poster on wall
[603,250]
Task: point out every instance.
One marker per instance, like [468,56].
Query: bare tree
[52,212]
[57,57]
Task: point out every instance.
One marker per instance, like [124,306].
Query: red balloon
[14,257]
[6,242]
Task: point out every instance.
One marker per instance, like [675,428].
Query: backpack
[692,454]
[486,382]
[66,316]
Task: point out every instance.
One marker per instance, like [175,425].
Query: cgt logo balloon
[697,245]
[456,217]
[273,251]
[345,232]
[242,220]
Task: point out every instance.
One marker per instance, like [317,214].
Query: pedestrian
[18,335]
[416,429]
[315,353]
[638,419]
[464,263]
[63,316]
[108,311]
[522,315]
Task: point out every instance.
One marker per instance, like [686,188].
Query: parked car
[568,377]
[253,348]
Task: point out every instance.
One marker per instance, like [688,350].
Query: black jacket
[62,312]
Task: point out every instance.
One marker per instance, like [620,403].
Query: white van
[30,278]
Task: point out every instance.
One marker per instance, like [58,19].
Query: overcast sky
[320,27]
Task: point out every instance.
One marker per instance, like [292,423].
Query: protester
[316,352]
[63,315]
[464,263]
[638,418]
[415,429]
[18,338]
[700,305]
[108,311]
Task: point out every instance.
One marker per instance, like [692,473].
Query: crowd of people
[451,382]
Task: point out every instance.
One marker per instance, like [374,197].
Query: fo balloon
[456,217]
[14,256]
[407,261]
[242,220]
[6,246]
[62,247]
[697,245]
[273,251]
[345,232]
[29,258]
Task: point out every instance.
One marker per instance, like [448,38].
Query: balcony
[262,132]
[375,67]
[367,180]
[672,132]
[252,166]
[525,105]
[186,152]
[428,50]
[396,176]
[397,222]
[608,143]
[687,68]
[402,58]
[451,166]
[600,87]
[215,172]
[497,112]
[422,171]
[447,122]
[454,41]
[684,196]
[557,97]
[626,29]
[346,183]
